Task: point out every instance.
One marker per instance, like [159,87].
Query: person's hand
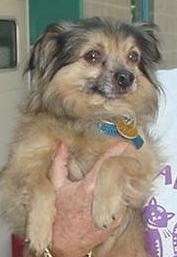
[74,231]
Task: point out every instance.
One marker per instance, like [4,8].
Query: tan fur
[124,183]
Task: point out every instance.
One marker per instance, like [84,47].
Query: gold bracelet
[47,253]
[90,254]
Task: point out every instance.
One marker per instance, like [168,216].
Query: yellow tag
[127,130]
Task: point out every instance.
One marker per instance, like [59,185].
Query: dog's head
[95,68]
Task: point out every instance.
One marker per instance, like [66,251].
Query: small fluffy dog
[93,85]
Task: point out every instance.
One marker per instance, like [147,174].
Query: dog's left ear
[149,43]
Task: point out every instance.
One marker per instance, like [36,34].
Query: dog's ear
[42,57]
[149,43]
[44,51]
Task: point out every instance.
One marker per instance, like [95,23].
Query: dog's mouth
[123,82]
[109,91]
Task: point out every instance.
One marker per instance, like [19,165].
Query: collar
[122,128]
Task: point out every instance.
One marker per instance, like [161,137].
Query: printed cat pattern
[161,232]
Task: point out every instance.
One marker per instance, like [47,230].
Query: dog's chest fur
[42,133]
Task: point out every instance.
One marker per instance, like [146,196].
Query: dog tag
[126,130]
[123,128]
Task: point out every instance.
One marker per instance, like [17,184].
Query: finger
[117,149]
[59,171]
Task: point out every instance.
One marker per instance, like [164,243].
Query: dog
[93,84]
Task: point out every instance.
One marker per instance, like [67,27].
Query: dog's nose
[124,78]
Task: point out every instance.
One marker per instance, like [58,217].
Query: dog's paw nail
[105,226]
[113,217]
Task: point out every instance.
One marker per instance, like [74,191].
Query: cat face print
[156,215]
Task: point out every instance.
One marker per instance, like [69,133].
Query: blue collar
[121,129]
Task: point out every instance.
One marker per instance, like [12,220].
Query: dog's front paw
[40,222]
[39,237]
[107,203]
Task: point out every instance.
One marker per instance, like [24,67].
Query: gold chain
[47,253]
[89,254]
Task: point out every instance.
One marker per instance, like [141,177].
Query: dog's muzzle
[111,85]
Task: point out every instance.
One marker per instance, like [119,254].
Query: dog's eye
[133,57]
[94,57]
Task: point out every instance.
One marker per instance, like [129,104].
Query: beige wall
[119,9]
[12,91]
[165,15]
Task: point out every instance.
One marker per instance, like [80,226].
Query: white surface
[162,221]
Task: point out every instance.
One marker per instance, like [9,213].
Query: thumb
[59,171]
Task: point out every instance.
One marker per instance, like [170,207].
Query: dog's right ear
[44,52]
